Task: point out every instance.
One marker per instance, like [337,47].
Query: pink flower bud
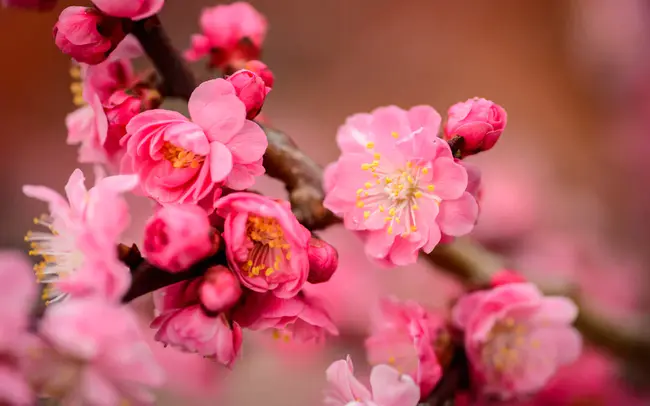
[261,70]
[506,276]
[41,5]
[220,289]
[250,89]
[133,9]
[323,261]
[176,237]
[87,35]
[480,122]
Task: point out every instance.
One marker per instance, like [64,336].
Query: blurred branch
[469,262]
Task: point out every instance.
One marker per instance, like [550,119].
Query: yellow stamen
[366,214]
[360,204]
[370,145]
[394,134]
[181,158]
[417,194]
[430,188]
[425,170]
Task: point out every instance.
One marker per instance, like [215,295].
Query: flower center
[504,345]
[270,250]
[181,158]
[393,192]
[60,257]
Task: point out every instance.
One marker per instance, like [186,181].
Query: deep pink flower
[232,33]
[480,122]
[399,184]
[41,5]
[191,330]
[262,71]
[177,296]
[87,35]
[177,236]
[389,387]
[403,336]
[133,9]
[220,289]
[78,248]
[250,89]
[183,161]
[97,355]
[300,318]
[265,244]
[323,261]
[516,338]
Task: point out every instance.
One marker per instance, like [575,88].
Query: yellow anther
[288,256]
[377,156]
[359,191]
[415,207]
[366,214]
[409,164]
[378,182]
[392,211]
[365,167]
[381,208]
[417,194]
[394,134]
[391,360]
[370,145]
[387,219]
[388,180]
[367,185]
[249,263]
[425,170]
[269,271]
[430,188]
[410,179]
[414,228]
[397,220]
[360,204]
[389,230]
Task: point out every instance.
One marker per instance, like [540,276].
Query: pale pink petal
[458,217]
[449,179]
[220,161]
[556,310]
[344,387]
[390,388]
[249,144]
[215,107]
[76,191]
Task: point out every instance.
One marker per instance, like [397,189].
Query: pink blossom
[250,89]
[191,330]
[17,295]
[516,338]
[41,5]
[176,237]
[403,336]
[266,246]
[398,184]
[323,261]
[98,355]
[88,126]
[480,122]
[78,34]
[133,9]
[232,33]
[389,387]
[262,71]
[220,289]
[506,276]
[78,248]
[301,318]
[183,161]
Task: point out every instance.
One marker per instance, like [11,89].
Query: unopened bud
[323,261]
[220,289]
[250,89]
[479,122]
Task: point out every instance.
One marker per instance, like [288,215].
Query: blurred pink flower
[78,34]
[97,355]
[183,161]
[403,336]
[88,126]
[480,122]
[41,5]
[178,236]
[220,289]
[398,183]
[266,246]
[133,9]
[262,71]
[389,387]
[516,338]
[191,330]
[506,276]
[250,89]
[323,260]
[231,33]
[79,254]
[300,318]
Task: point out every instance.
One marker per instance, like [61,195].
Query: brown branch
[469,262]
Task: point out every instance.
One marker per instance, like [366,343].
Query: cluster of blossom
[398,185]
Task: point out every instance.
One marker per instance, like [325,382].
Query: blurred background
[566,193]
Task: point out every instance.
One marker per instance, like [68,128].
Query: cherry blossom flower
[403,336]
[398,184]
[480,122]
[266,246]
[41,5]
[176,237]
[94,353]
[323,261]
[300,318]
[133,9]
[516,338]
[389,387]
[87,35]
[232,34]
[250,89]
[78,248]
[190,329]
[17,295]
[183,161]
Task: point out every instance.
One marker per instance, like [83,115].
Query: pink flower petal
[457,217]
[220,161]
